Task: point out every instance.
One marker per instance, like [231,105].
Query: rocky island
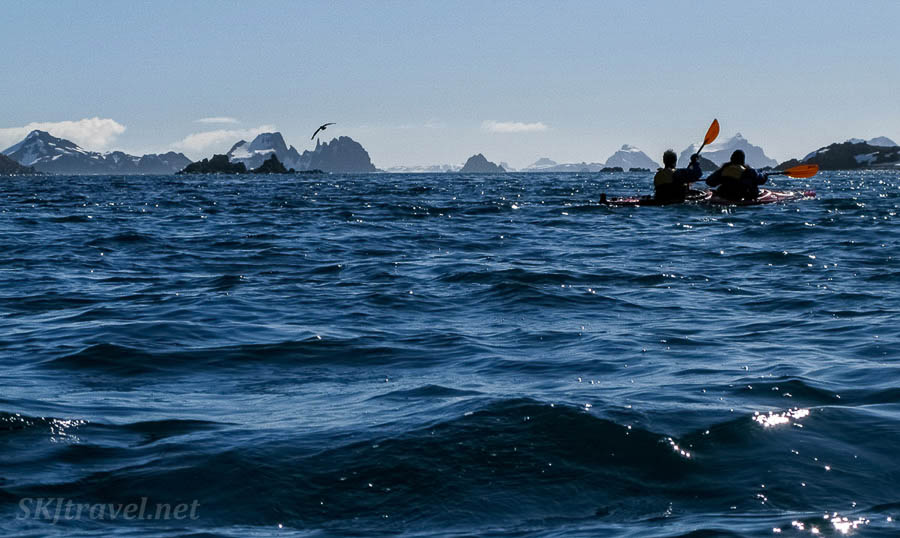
[219,164]
[478,164]
[341,155]
[272,166]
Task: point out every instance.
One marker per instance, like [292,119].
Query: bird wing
[321,128]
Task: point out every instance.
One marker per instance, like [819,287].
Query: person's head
[669,159]
[738,157]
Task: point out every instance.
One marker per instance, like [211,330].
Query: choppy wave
[449,355]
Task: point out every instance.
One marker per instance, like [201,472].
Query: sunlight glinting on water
[771,419]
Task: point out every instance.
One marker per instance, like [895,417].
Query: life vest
[733,171]
[664,177]
[734,186]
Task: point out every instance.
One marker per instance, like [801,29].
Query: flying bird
[321,128]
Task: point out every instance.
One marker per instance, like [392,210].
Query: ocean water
[443,355]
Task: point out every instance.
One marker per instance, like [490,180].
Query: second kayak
[766,196]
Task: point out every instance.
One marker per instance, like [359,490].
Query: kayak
[766,196]
[635,201]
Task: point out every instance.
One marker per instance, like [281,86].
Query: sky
[420,83]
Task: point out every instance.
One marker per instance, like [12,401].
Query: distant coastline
[42,153]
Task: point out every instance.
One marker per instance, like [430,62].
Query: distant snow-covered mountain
[630,157]
[878,141]
[720,152]
[545,164]
[47,153]
[540,165]
[261,148]
[429,169]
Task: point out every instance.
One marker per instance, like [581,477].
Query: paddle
[801,171]
[711,135]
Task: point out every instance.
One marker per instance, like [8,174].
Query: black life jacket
[664,177]
[733,172]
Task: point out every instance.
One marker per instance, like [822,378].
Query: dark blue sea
[443,355]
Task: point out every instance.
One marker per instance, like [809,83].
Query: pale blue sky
[416,82]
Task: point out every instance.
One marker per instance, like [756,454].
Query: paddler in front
[671,184]
[735,180]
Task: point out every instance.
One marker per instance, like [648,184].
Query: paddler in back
[735,180]
[671,184]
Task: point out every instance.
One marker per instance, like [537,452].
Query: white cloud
[217,119]
[513,127]
[90,133]
[219,140]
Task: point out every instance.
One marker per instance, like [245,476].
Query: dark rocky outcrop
[218,164]
[478,164]
[612,169]
[635,169]
[9,167]
[272,166]
[849,155]
[47,153]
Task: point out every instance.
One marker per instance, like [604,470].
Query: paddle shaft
[802,171]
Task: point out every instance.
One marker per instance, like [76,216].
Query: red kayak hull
[635,201]
[766,196]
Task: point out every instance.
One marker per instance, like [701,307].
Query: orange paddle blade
[802,171]
[712,133]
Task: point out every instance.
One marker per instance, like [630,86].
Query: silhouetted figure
[321,128]
[735,180]
[674,185]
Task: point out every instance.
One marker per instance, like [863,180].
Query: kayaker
[674,185]
[735,180]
